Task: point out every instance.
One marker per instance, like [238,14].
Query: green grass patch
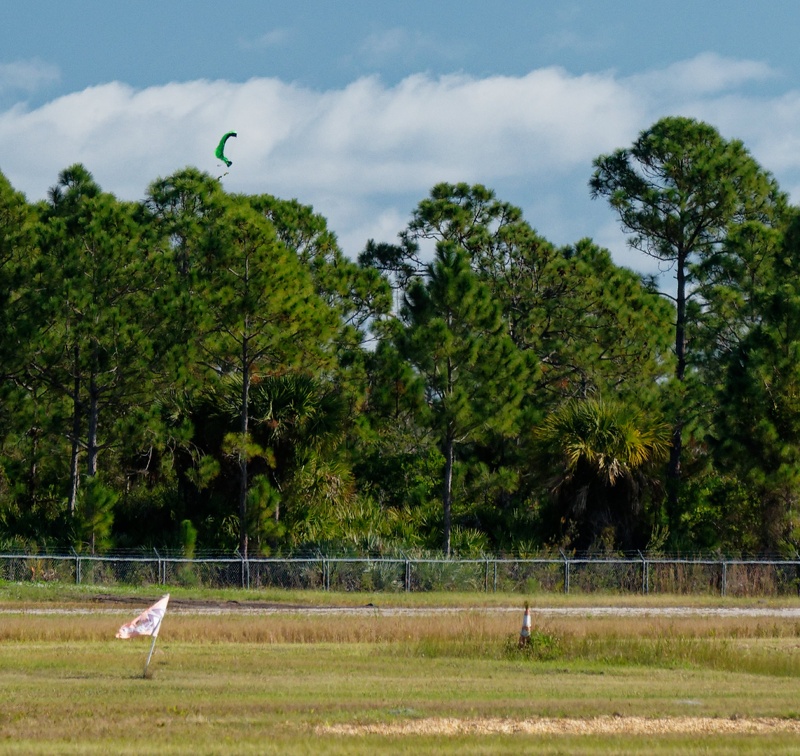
[57,592]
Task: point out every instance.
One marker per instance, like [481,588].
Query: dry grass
[371,625]
[765,645]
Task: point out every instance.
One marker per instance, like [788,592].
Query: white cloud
[705,74]
[27,75]
[405,45]
[272,38]
[388,43]
[767,126]
[364,155]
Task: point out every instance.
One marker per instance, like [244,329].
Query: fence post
[162,578]
[645,575]
[724,584]
[246,571]
[566,571]
[77,567]
[244,577]
[495,575]
[408,575]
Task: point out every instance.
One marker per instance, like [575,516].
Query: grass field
[233,678]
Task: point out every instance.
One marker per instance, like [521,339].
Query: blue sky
[358,107]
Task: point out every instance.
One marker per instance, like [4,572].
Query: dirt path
[108,604]
[603,725]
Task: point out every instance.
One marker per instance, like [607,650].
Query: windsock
[525,633]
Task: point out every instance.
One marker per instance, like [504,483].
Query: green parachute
[220,151]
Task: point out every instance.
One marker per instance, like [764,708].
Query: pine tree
[472,373]
[681,192]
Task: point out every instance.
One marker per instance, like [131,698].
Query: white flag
[147,623]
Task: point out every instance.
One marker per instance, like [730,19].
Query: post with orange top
[525,633]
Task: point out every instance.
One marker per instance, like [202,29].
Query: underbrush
[541,646]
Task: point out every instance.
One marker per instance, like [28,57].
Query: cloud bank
[27,75]
[365,155]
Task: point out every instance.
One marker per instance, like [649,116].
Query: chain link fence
[564,574]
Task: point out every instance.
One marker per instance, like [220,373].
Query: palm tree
[601,457]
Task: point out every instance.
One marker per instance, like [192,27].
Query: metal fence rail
[567,574]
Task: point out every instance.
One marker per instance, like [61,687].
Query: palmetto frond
[610,440]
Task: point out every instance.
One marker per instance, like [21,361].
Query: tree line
[208,370]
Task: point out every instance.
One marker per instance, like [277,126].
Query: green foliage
[612,440]
[95,516]
[599,455]
[188,538]
[702,204]
[541,646]
[263,503]
[472,372]
[468,542]
[204,471]
[757,428]
[583,323]
[236,382]
[92,284]
[722,514]
[149,515]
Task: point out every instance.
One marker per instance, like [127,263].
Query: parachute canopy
[220,151]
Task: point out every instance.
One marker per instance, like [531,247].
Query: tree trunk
[33,468]
[91,440]
[245,420]
[76,435]
[674,464]
[447,491]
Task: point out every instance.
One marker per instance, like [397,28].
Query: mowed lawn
[376,681]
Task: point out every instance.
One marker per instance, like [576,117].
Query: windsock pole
[153,644]
[150,655]
[525,633]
